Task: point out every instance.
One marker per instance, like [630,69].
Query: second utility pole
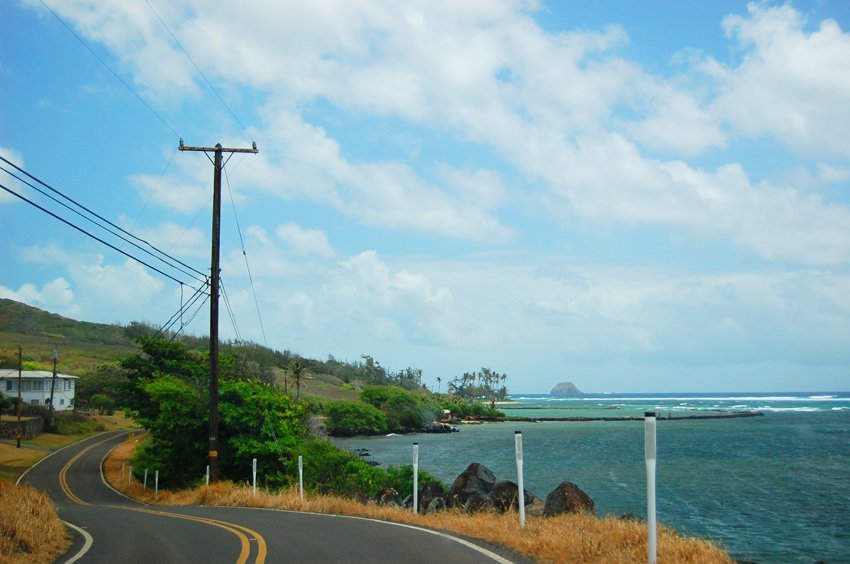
[214,285]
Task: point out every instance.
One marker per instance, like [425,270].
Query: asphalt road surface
[109,527]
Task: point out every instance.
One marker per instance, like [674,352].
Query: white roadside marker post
[254,475]
[520,485]
[145,482]
[130,476]
[301,477]
[415,478]
[649,448]
[208,475]
[156,483]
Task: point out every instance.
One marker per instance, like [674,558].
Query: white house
[35,387]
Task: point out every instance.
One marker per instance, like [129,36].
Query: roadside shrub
[76,424]
[345,419]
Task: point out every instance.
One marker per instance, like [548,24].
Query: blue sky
[632,196]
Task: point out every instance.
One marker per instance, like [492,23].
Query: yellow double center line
[242,533]
[63,474]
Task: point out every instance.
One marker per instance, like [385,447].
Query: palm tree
[297,369]
[438,384]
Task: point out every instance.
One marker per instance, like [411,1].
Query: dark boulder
[477,502]
[536,508]
[631,517]
[388,496]
[436,504]
[505,495]
[567,498]
[428,492]
[476,481]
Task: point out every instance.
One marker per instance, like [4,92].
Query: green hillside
[82,345]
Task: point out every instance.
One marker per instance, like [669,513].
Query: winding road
[109,527]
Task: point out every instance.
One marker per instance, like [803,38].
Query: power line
[245,256]
[197,68]
[95,237]
[69,208]
[230,313]
[168,259]
[184,308]
[115,74]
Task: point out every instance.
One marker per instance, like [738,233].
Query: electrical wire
[95,237]
[69,208]
[115,74]
[163,256]
[230,311]
[245,256]
[184,308]
[197,68]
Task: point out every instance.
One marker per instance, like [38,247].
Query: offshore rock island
[564,389]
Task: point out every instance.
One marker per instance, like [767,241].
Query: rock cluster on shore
[477,488]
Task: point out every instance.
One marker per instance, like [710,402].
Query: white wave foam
[798,409]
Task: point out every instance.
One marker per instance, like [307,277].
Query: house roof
[12,373]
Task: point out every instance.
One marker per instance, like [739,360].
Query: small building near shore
[35,387]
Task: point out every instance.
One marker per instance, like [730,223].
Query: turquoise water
[771,489]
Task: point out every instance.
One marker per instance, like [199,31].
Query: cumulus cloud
[55,296]
[305,241]
[791,83]
[563,110]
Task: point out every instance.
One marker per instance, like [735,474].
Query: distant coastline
[660,417]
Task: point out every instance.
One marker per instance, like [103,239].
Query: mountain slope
[81,344]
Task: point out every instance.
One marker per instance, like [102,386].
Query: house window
[38,385]
[10,385]
[34,402]
[61,401]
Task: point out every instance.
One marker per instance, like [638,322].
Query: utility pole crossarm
[253,149]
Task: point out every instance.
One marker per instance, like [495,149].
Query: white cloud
[792,84]
[564,109]
[176,240]
[54,296]
[305,241]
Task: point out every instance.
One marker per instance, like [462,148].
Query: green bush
[346,418]
[403,410]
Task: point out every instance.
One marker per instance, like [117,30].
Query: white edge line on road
[107,484]
[471,545]
[87,544]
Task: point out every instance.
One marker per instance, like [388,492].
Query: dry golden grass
[15,461]
[565,538]
[30,531]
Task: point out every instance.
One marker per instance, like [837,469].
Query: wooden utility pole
[217,151]
[20,379]
[53,388]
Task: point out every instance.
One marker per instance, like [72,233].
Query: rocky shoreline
[477,489]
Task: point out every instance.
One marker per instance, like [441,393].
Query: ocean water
[770,489]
